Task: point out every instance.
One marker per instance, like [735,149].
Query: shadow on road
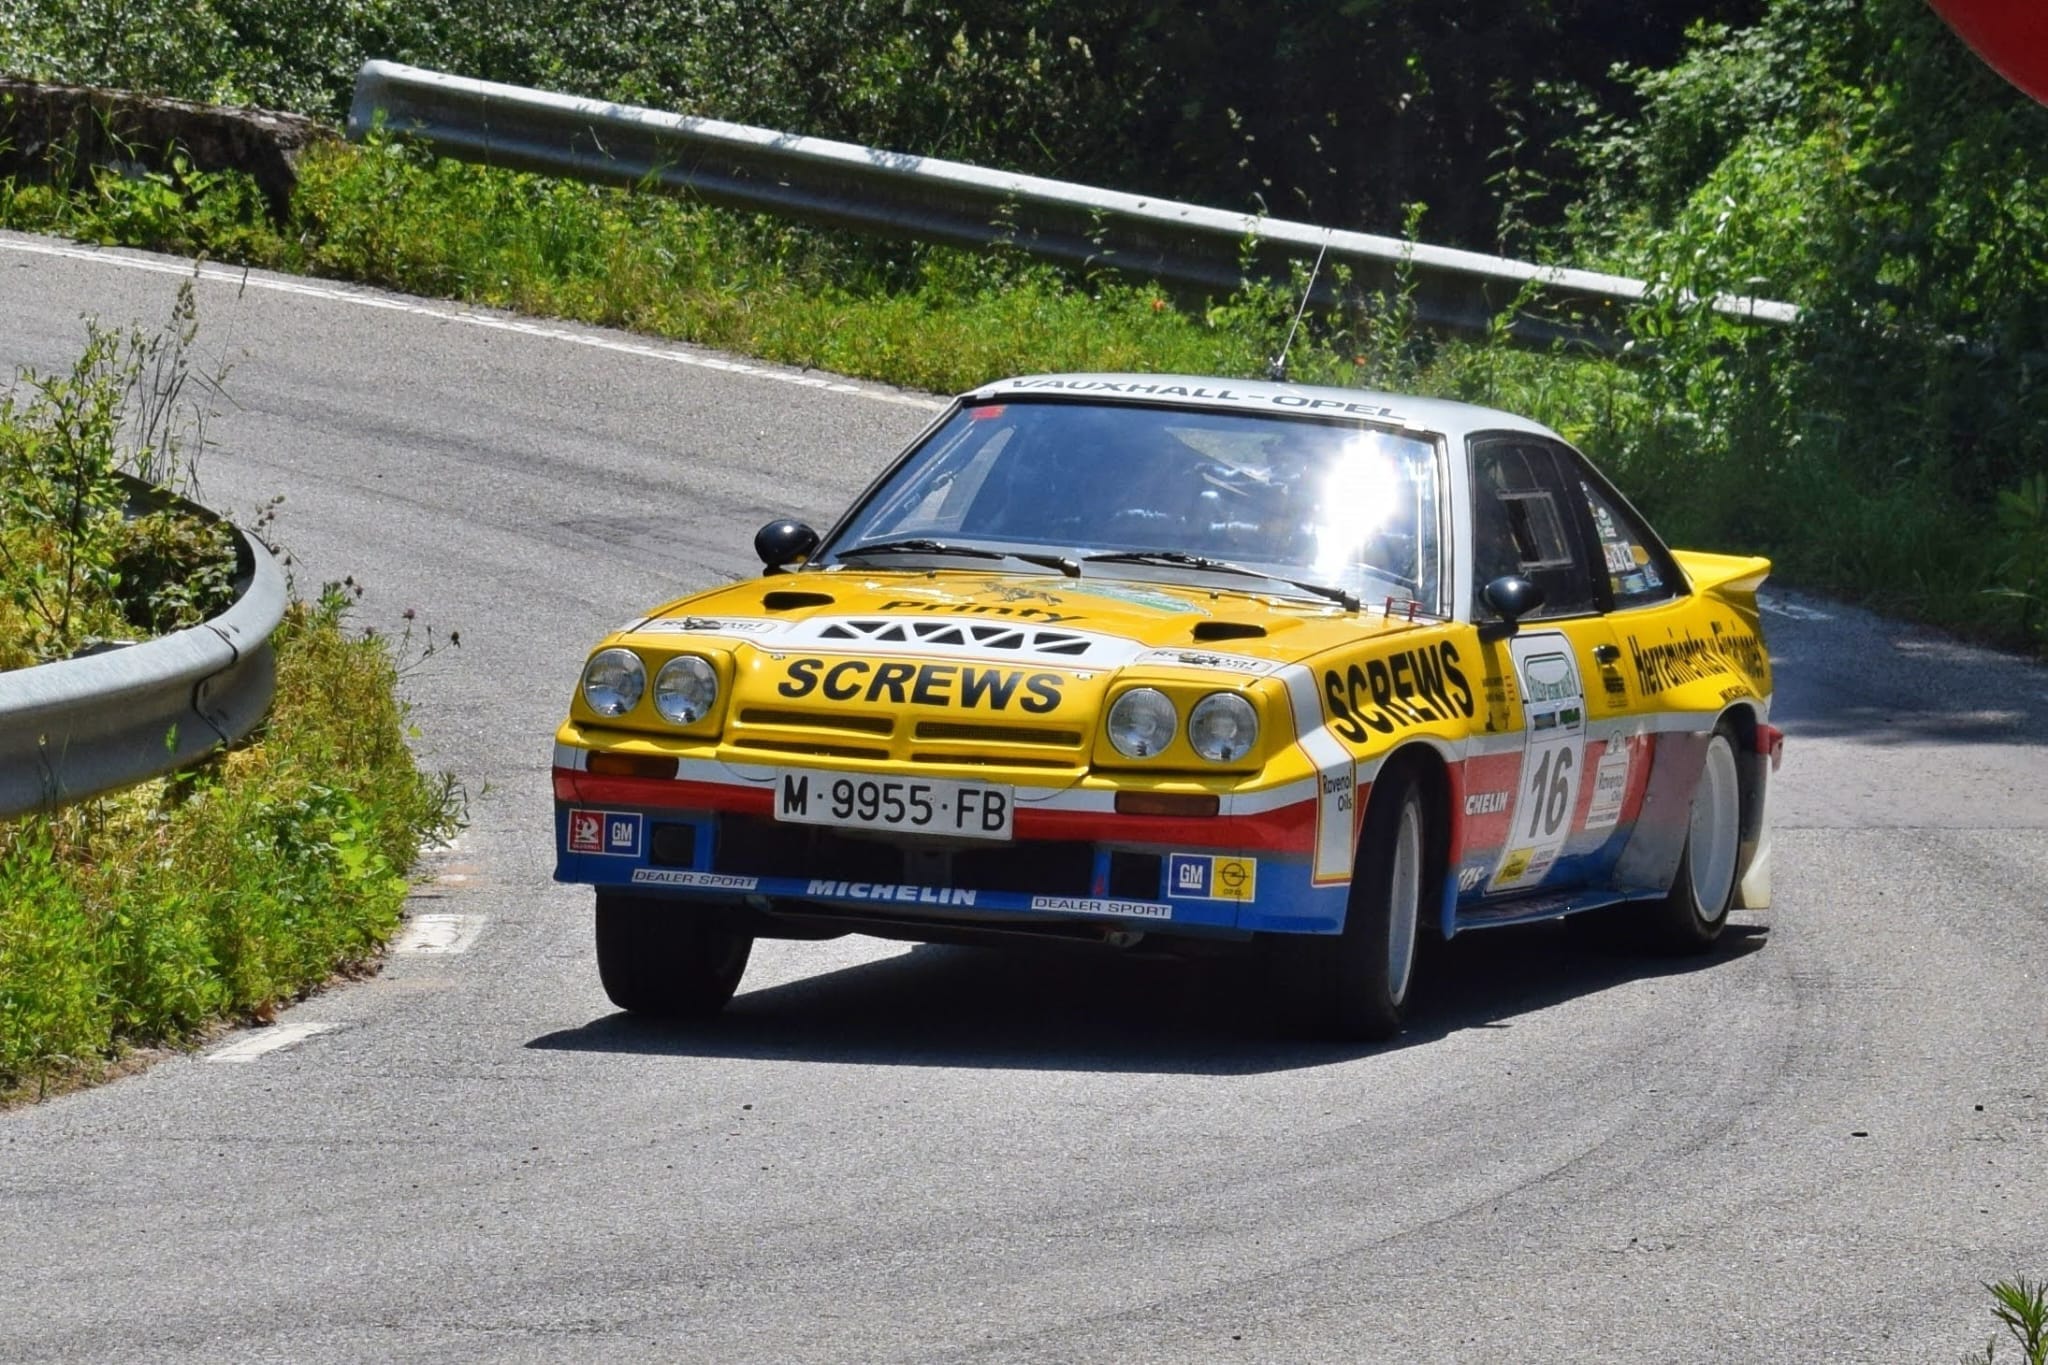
[969,1007]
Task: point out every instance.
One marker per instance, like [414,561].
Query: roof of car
[1305,400]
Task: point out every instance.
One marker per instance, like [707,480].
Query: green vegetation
[139,918]
[88,549]
[1849,155]
[2022,1309]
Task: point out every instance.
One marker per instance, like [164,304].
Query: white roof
[1301,400]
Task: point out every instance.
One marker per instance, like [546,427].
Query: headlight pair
[1222,728]
[684,691]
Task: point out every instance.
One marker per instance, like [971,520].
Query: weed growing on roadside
[2022,1309]
[87,548]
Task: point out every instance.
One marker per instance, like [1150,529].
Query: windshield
[1339,506]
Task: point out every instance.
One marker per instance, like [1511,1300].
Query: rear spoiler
[1723,573]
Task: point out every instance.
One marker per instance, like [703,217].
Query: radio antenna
[1276,368]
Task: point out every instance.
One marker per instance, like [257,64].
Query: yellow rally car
[1173,660]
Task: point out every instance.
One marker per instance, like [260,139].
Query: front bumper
[1073,861]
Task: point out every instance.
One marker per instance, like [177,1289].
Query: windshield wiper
[1182,559]
[921,546]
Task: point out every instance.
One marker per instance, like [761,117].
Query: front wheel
[1692,916]
[667,959]
[1357,986]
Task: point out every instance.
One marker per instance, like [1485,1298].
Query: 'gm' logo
[1199,876]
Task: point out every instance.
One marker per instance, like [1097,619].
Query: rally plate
[954,810]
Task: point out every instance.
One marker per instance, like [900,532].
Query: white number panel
[1553,759]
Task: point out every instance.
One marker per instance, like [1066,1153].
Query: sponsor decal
[1219,395]
[612,832]
[1195,658]
[1011,592]
[1210,877]
[718,625]
[1111,386]
[1691,659]
[961,685]
[1410,687]
[977,609]
[1138,597]
[890,893]
[1516,864]
[1549,677]
[1486,803]
[1088,905]
[682,876]
[1470,875]
[1610,785]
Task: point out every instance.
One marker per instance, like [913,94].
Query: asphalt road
[1814,1146]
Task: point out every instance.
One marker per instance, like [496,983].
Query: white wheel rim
[1715,836]
[1404,897]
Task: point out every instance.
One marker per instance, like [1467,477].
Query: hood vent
[789,599]
[1228,630]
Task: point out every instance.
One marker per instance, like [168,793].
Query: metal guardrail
[84,726]
[839,184]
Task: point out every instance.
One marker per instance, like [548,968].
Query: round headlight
[1223,727]
[613,681]
[1142,722]
[685,689]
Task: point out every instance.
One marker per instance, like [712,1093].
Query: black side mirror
[782,543]
[1512,597]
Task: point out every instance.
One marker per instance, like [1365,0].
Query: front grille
[816,720]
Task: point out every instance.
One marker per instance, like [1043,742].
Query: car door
[1541,802]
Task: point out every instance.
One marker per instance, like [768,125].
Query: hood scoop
[790,599]
[1228,630]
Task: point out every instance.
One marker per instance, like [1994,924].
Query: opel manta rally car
[1186,662]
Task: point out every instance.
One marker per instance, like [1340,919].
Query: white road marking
[1778,606]
[438,934]
[271,1039]
[237,279]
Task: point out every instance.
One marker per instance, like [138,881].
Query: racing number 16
[1550,794]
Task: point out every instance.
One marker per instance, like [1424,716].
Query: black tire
[668,959]
[1691,917]
[1356,987]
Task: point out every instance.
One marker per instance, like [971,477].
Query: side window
[1639,571]
[1524,522]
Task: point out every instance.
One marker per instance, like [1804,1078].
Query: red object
[2010,35]
[1770,742]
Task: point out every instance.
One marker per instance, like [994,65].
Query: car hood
[1093,623]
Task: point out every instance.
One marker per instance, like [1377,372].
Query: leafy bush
[137,919]
[75,566]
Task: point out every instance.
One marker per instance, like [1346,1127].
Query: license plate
[961,810]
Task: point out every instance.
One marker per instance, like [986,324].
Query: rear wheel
[1692,916]
[1357,986]
[667,959]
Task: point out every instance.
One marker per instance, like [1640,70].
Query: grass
[143,917]
[1705,425]
[139,919]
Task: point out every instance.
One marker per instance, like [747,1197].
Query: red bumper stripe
[1290,829]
